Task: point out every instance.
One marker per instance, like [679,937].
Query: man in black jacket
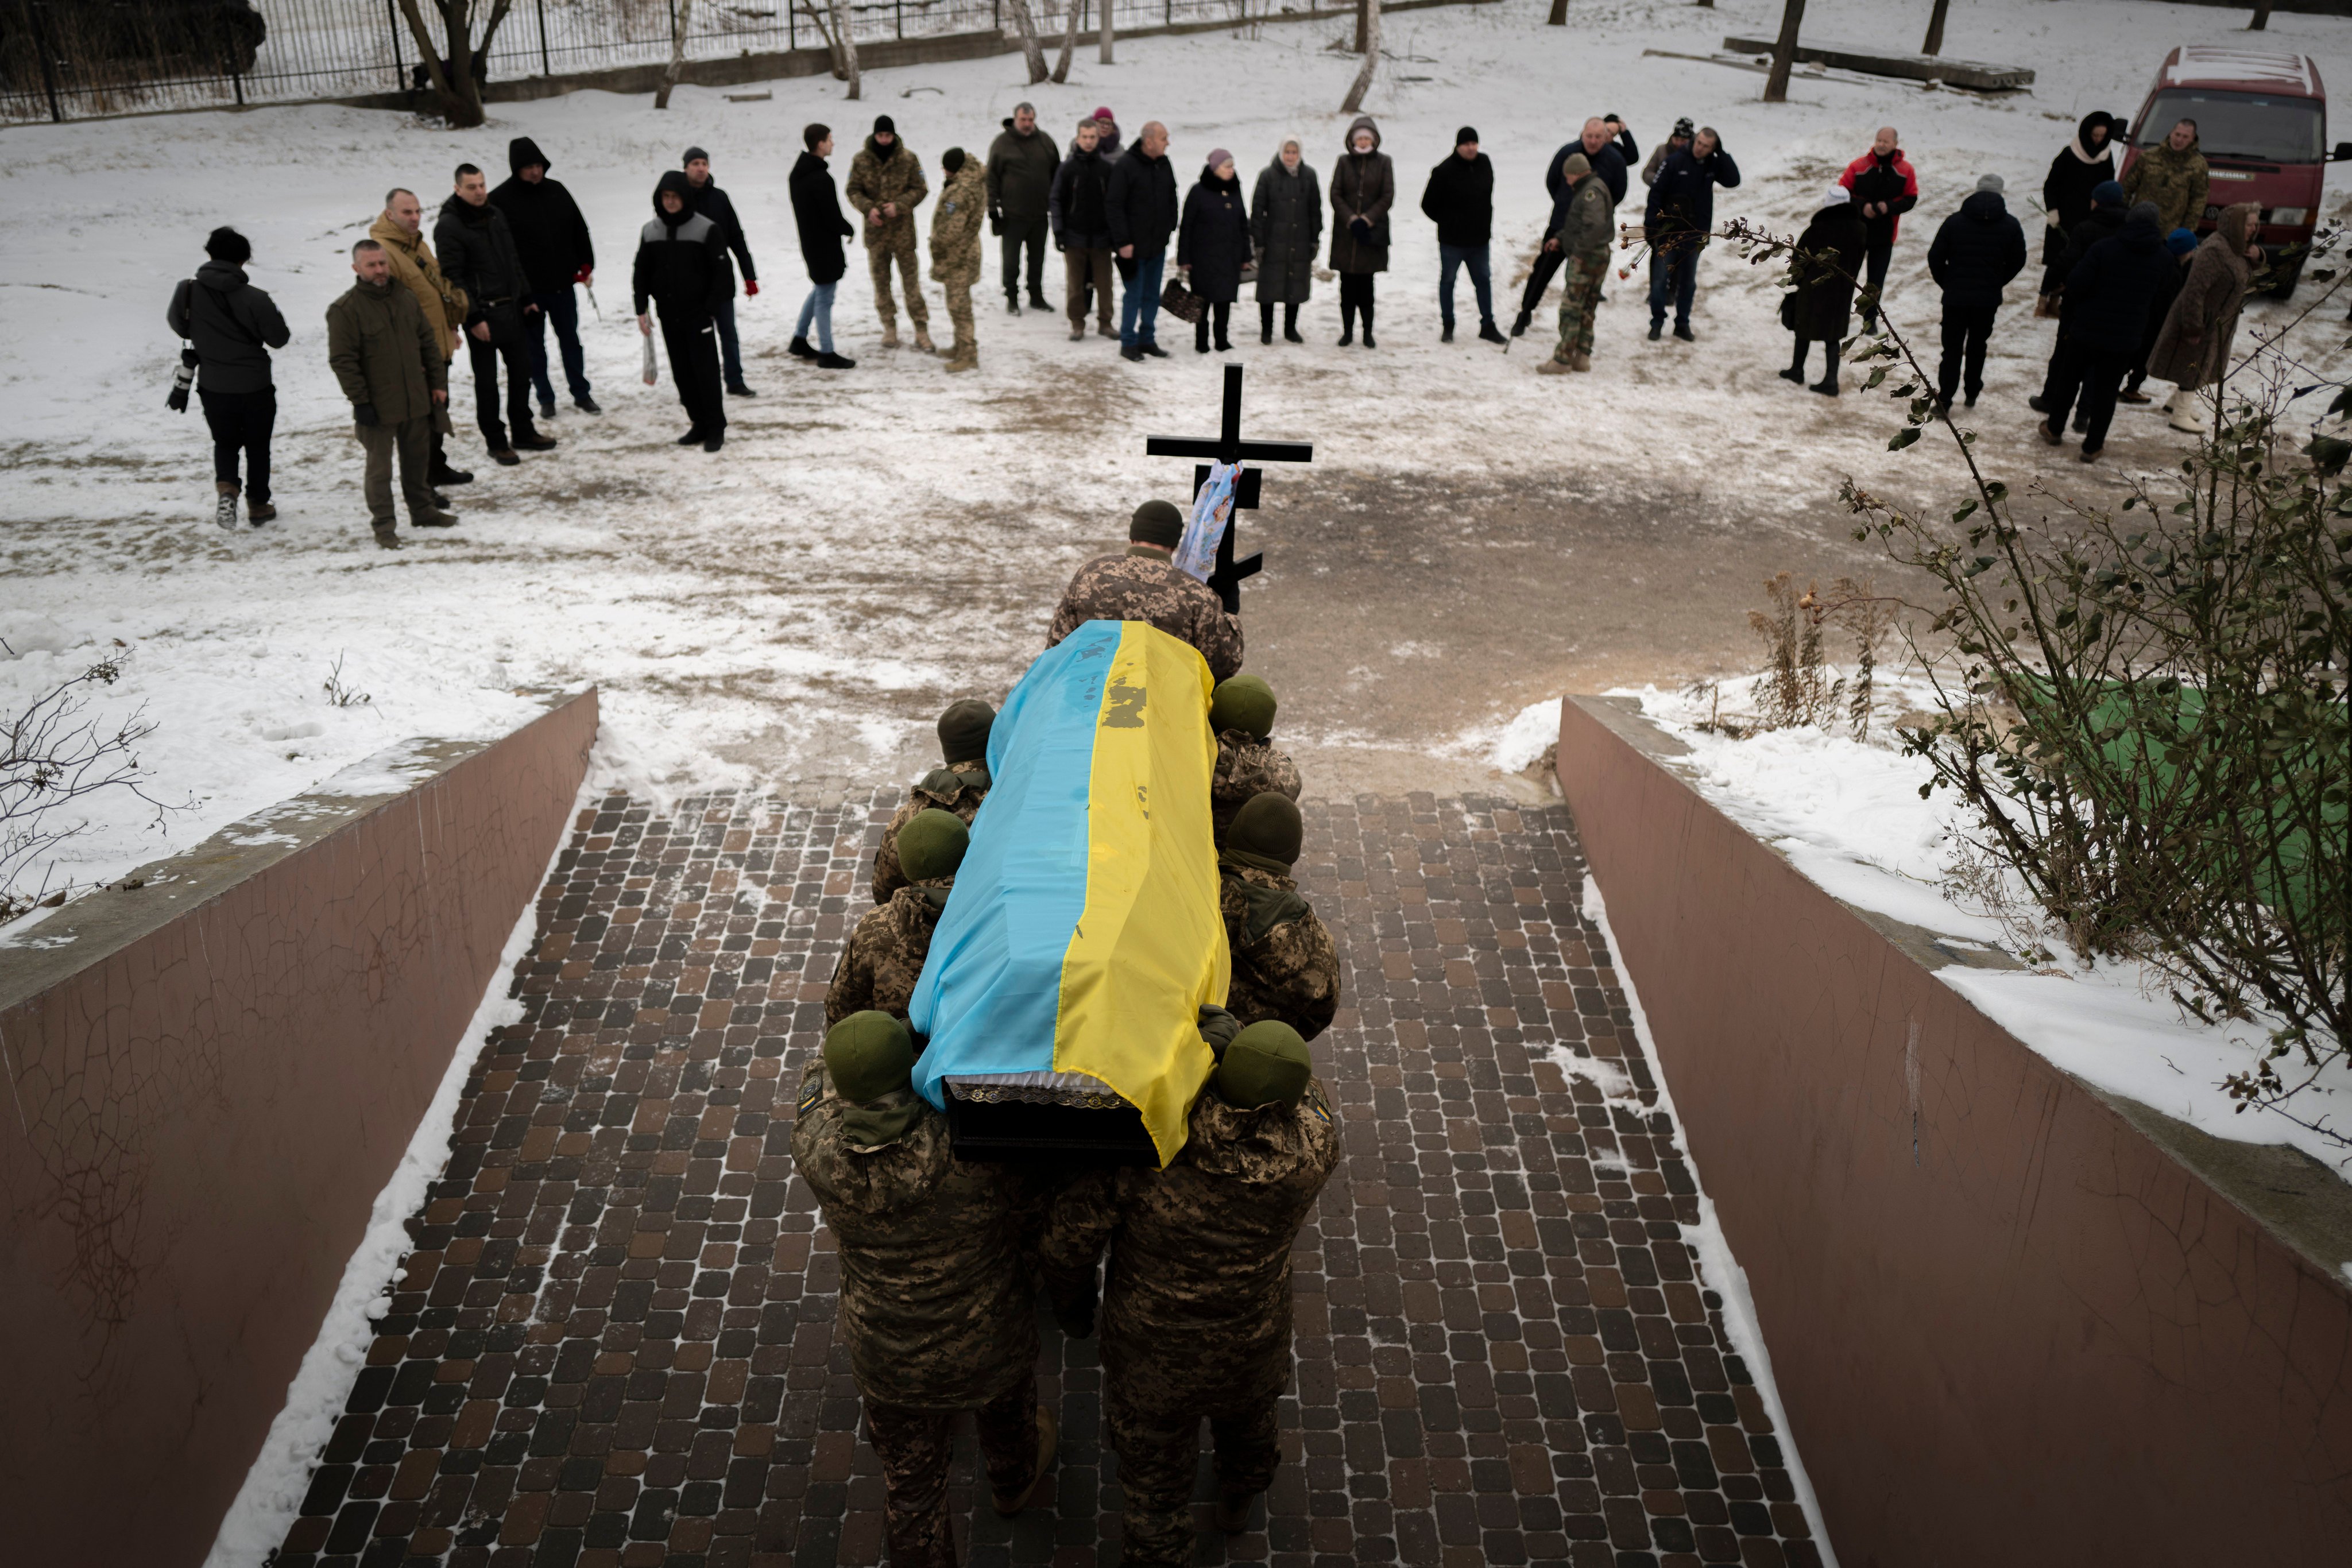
[478,254]
[816,213]
[1082,229]
[2105,220]
[1139,208]
[232,326]
[1976,253]
[1022,164]
[711,201]
[2107,297]
[552,239]
[1460,200]
[1610,149]
[681,266]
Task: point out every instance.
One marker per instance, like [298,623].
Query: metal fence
[72,59]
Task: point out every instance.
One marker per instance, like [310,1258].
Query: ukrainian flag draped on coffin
[1082,934]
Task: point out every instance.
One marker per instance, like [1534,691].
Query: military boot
[923,344]
[965,357]
[889,332]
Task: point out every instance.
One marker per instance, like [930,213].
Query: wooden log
[1974,74]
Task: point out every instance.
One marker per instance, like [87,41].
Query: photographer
[232,326]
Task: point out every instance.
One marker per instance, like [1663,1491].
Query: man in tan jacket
[400,229]
[386,357]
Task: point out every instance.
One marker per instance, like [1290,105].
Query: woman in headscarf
[1286,227]
[2193,349]
[1820,308]
[1363,187]
[2080,168]
[1212,246]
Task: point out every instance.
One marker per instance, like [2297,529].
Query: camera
[182,378]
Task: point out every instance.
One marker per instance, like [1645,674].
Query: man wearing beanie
[1609,150]
[955,249]
[1145,585]
[1586,225]
[958,786]
[878,970]
[937,1310]
[1241,714]
[1196,1301]
[1285,967]
[712,202]
[885,186]
[1460,200]
[231,327]
[1977,251]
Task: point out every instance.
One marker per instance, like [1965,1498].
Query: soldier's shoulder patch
[1317,1105]
[811,1092]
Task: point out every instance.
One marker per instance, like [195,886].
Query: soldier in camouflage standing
[1284,966]
[1196,1306]
[935,1309]
[1587,220]
[959,786]
[884,957]
[955,248]
[1145,585]
[1241,714]
[885,185]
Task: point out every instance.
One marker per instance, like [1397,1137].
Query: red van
[2262,123]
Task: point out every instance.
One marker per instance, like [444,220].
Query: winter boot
[832,362]
[923,344]
[1657,329]
[1037,301]
[1554,367]
[1582,361]
[387,537]
[1265,323]
[799,348]
[225,506]
[693,436]
[1367,328]
[533,441]
[1011,302]
[1681,330]
[2185,419]
[1105,329]
[2050,435]
[1519,323]
[1828,388]
[1079,333]
[547,408]
[737,389]
[965,356]
[432,519]
[260,512]
[1489,333]
[586,404]
[1201,334]
[714,441]
[442,474]
[1290,325]
[1347,324]
[1445,333]
[890,332]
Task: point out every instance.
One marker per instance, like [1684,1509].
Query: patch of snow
[1523,740]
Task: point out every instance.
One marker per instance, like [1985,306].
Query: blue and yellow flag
[1082,934]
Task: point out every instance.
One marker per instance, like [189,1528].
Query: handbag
[1789,311]
[649,372]
[1181,302]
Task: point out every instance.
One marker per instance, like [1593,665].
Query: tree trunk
[1784,52]
[1105,6]
[1559,17]
[452,73]
[1371,15]
[1069,39]
[2261,22]
[1025,26]
[1935,44]
[848,45]
[1362,25]
[676,54]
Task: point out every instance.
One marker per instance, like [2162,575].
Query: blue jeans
[1138,308]
[818,307]
[561,310]
[1674,278]
[730,356]
[1473,256]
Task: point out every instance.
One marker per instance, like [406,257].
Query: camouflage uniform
[959,787]
[935,1308]
[1196,1301]
[955,252]
[1143,584]
[874,180]
[1284,966]
[1246,766]
[884,957]
[2176,181]
[1584,234]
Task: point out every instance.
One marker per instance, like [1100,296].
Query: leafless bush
[51,754]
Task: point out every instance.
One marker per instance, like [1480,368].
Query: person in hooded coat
[2082,166]
[705,197]
[1285,231]
[1975,252]
[2107,297]
[2181,245]
[1212,247]
[2192,349]
[681,267]
[1363,188]
[1830,253]
[955,248]
[816,213]
[1460,200]
[1082,229]
[551,238]
[232,327]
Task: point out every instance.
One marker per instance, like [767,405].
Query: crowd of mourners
[2136,292]
[943,1260]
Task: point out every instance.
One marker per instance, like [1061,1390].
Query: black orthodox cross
[1229,447]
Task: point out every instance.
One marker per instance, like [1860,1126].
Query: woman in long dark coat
[2193,347]
[1363,188]
[1285,229]
[2080,168]
[1212,246]
[1829,253]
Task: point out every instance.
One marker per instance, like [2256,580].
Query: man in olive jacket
[400,229]
[1022,164]
[387,359]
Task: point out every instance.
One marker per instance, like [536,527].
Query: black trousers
[693,345]
[1356,295]
[1828,357]
[1878,257]
[1968,329]
[485,357]
[1548,264]
[1033,233]
[1216,313]
[2093,375]
[241,423]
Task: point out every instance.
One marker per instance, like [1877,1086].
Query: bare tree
[676,54]
[848,45]
[1105,6]
[1935,44]
[51,754]
[1371,18]
[1784,52]
[1559,17]
[2261,22]
[450,66]
[1025,26]
[1069,39]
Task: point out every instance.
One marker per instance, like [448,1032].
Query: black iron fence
[71,59]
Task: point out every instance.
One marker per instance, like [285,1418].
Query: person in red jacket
[1884,187]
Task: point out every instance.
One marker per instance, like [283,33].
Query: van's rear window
[2240,124]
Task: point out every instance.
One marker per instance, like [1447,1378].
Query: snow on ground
[873,544]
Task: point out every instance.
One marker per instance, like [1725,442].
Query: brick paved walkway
[614,1344]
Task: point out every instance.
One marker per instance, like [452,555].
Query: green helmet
[1266,1065]
[1244,703]
[1267,825]
[868,1055]
[931,844]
